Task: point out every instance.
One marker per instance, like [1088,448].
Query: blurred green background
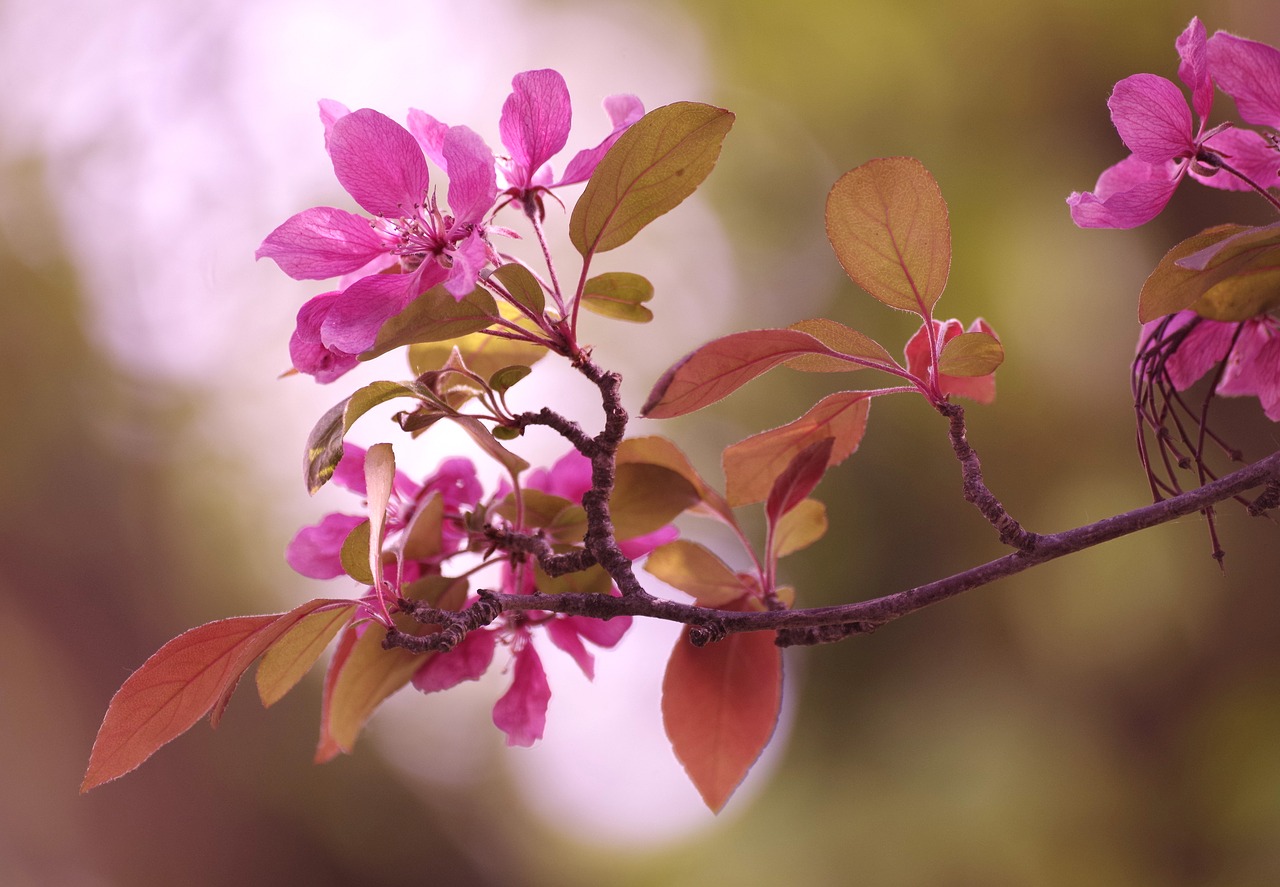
[1111,719]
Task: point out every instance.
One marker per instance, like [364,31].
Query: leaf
[695,570]
[433,317]
[751,465]
[354,554]
[658,162]
[971,354]
[505,378]
[362,674]
[888,224]
[496,451]
[660,451]
[292,656]
[843,339]
[645,498]
[522,285]
[1171,288]
[798,479]
[191,676]
[722,366]
[619,295]
[379,479]
[324,444]
[720,706]
[799,528]
[483,354]
[592,580]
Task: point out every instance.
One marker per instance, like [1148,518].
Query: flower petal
[353,321]
[308,353]
[322,242]
[1129,194]
[330,113]
[466,662]
[1152,117]
[1194,67]
[473,184]
[1246,151]
[430,135]
[316,551]
[379,163]
[521,713]
[565,636]
[623,111]
[535,121]
[1249,72]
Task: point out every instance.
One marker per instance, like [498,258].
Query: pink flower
[1193,345]
[521,712]
[1249,72]
[979,388]
[534,127]
[1156,125]
[316,551]
[408,246]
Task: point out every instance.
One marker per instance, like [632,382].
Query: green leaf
[324,444]
[496,451]
[722,366]
[971,354]
[592,580]
[564,520]
[522,285]
[751,465]
[660,451]
[503,379]
[435,316]
[888,224]
[720,705]
[658,162]
[696,571]
[483,354]
[292,656]
[355,553]
[619,295]
[843,339]
[799,528]
[647,497]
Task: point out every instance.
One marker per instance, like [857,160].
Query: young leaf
[324,444]
[660,451]
[799,528]
[522,285]
[720,706]
[971,354]
[189,677]
[696,571]
[798,479]
[843,339]
[379,478]
[619,295]
[888,224]
[751,465]
[433,317]
[292,656]
[722,366]
[655,165]
[354,554]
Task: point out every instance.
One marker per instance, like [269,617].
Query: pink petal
[330,113]
[1249,72]
[568,478]
[1202,350]
[1194,67]
[466,662]
[430,135]
[601,632]
[308,353]
[469,258]
[1152,117]
[322,242]
[535,121]
[1129,194]
[623,111]
[349,473]
[353,322]
[316,551]
[521,713]
[379,163]
[639,546]
[1246,151]
[565,636]
[473,184]
[1254,365]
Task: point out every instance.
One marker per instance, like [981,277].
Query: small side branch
[975,488]
[454,625]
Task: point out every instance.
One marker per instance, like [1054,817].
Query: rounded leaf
[971,354]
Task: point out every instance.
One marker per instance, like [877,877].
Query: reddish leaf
[191,676]
[844,340]
[720,705]
[888,224]
[798,479]
[751,465]
[719,368]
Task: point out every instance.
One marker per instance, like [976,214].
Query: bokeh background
[1111,719]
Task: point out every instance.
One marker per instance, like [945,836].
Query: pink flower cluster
[1166,144]
[521,712]
[410,242]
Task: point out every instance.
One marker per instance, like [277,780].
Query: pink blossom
[979,388]
[534,127]
[1249,72]
[408,246]
[521,713]
[1155,123]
